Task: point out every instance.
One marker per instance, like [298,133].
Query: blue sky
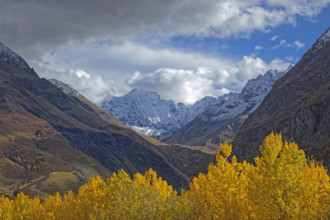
[306,30]
[184,50]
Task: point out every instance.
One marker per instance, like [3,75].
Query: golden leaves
[280,185]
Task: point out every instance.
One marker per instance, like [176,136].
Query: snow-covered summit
[64,87]
[147,113]
[10,57]
[245,102]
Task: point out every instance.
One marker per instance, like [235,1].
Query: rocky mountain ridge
[146,112]
[209,125]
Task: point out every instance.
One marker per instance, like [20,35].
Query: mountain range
[146,112]
[53,139]
[222,120]
[196,124]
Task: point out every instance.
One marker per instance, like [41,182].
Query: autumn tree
[281,184]
[222,192]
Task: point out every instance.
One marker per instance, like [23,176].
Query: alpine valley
[52,139]
[294,103]
[177,110]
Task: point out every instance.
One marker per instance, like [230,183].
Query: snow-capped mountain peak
[147,113]
[245,102]
[222,120]
[260,85]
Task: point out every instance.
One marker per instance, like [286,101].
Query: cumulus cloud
[282,43]
[278,64]
[190,85]
[274,38]
[107,69]
[81,74]
[70,35]
[298,44]
[104,70]
[301,7]
[118,61]
[181,85]
[94,87]
[250,67]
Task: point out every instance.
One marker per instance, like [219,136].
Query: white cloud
[190,85]
[99,71]
[258,47]
[181,85]
[298,44]
[283,44]
[81,74]
[274,38]
[301,7]
[278,64]
[250,67]
[94,87]
[117,62]
[137,54]
[182,76]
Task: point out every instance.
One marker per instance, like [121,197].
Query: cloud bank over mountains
[115,42]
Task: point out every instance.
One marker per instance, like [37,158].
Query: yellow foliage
[281,184]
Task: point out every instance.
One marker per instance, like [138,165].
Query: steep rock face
[146,112]
[221,121]
[298,106]
[45,133]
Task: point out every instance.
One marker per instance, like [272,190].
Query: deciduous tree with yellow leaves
[281,184]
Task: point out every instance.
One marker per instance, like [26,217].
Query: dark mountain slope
[298,106]
[51,141]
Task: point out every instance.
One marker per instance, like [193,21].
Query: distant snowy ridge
[222,121]
[245,102]
[146,112]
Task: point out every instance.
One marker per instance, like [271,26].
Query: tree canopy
[281,184]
